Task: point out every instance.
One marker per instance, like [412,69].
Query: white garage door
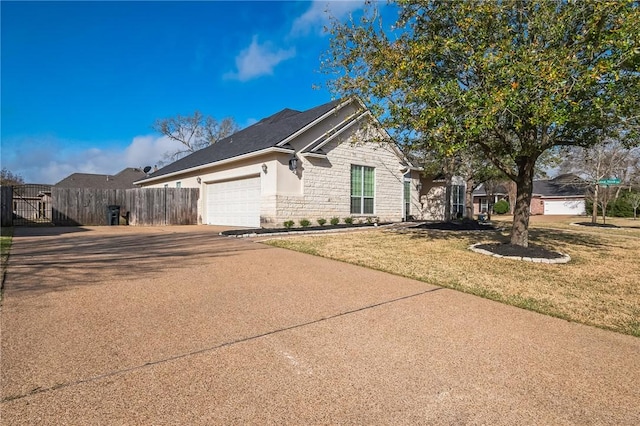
[234,203]
[572,207]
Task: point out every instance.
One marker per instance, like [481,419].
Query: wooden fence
[139,206]
[6,206]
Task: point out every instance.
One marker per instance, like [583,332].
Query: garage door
[234,202]
[571,207]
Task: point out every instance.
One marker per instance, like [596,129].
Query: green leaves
[515,78]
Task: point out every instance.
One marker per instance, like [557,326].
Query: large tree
[193,132]
[513,78]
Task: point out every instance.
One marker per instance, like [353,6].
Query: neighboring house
[562,195]
[123,180]
[334,160]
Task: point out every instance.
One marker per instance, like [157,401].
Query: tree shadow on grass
[550,238]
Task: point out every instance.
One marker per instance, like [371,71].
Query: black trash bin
[113,215]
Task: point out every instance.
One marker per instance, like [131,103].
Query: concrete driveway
[176,325]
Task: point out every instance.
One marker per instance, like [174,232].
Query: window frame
[366,195]
[457,199]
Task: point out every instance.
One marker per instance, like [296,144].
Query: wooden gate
[31,204]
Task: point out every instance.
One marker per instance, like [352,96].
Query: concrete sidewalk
[176,325]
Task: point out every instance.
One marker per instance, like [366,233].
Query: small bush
[322,221]
[348,220]
[288,224]
[305,222]
[501,207]
[334,220]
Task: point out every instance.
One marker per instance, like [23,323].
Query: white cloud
[258,60]
[49,160]
[318,15]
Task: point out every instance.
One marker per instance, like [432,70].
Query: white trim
[314,122]
[216,163]
[349,118]
[351,123]
[313,154]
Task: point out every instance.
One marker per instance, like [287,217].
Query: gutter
[214,164]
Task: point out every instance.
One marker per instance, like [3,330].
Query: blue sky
[82,82]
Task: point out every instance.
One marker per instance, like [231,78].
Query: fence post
[6,205]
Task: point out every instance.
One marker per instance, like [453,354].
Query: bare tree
[8,178]
[634,200]
[600,162]
[193,132]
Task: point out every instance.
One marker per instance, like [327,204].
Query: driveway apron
[177,325]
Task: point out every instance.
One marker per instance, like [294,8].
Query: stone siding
[326,188]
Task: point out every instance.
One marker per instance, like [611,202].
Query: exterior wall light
[419,186]
[198,179]
[264,168]
[293,164]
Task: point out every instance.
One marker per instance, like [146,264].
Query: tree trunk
[468,198]
[594,213]
[524,190]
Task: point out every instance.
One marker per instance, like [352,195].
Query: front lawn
[599,287]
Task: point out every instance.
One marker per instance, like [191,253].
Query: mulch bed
[464,225]
[597,225]
[306,229]
[532,251]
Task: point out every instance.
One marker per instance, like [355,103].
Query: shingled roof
[266,133]
[567,185]
[121,180]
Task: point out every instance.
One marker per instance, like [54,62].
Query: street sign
[614,181]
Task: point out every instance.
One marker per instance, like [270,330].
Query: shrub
[305,222]
[348,220]
[620,207]
[334,220]
[322,221]
[501,207]
[289,224]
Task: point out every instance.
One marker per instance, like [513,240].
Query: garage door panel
[234,203]
[564,207]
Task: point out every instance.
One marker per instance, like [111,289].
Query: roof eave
[215,163]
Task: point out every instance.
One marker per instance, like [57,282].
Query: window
[178,184]
[457,200]
[407,199]
[362,189]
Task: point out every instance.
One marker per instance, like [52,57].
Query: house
[123,180]
[333,160]
[562,195]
